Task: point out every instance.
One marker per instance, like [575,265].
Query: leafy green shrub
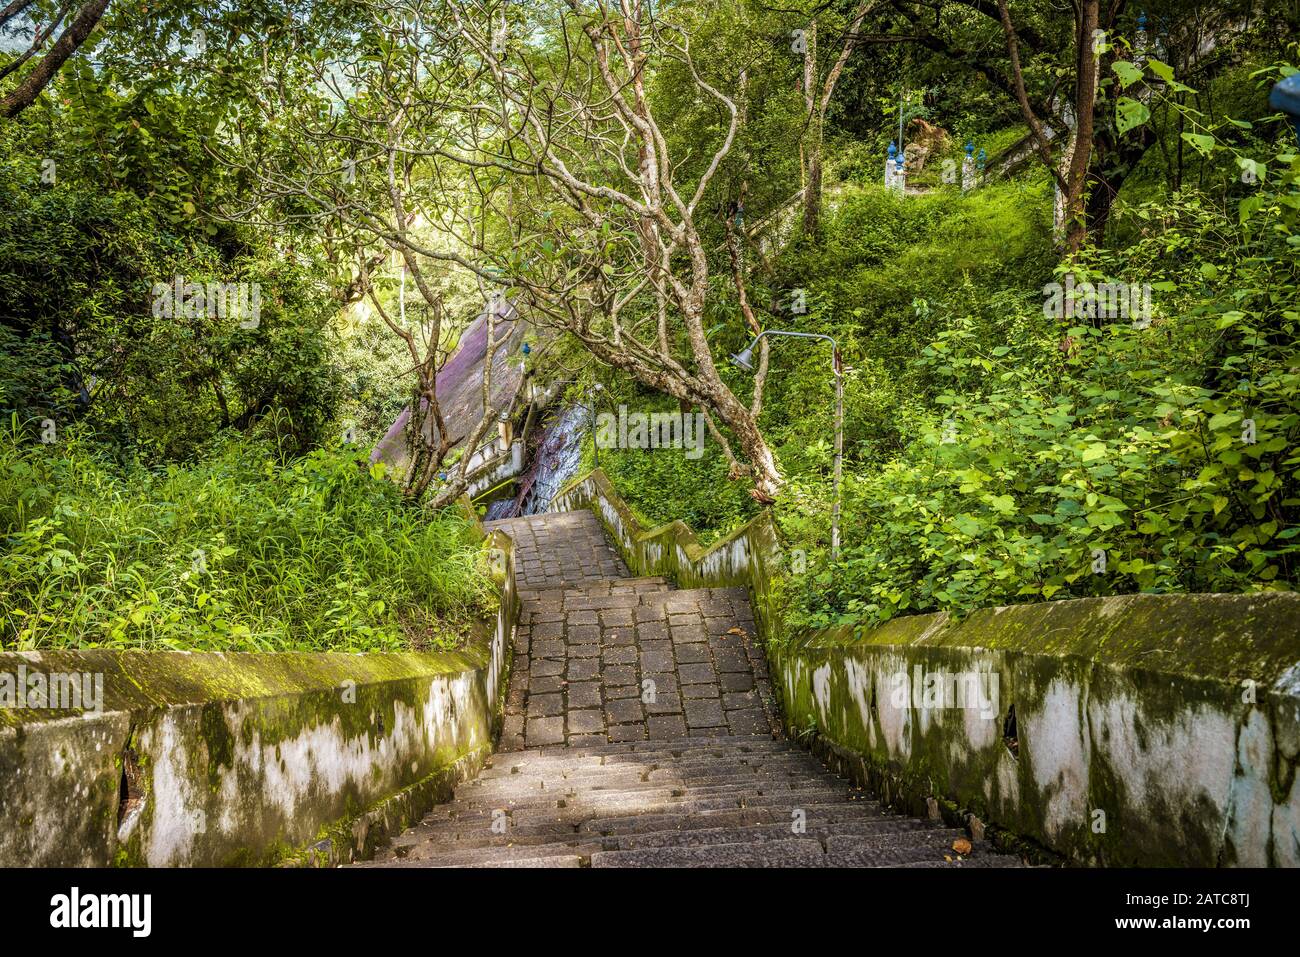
[78,265]
[662,485]
[238,552]
[1105,457]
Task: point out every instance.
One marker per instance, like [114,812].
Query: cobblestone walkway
[601,657]
[641,731]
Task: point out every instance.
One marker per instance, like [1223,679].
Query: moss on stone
[244,758]
[1229,637]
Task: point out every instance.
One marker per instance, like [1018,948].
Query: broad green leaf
[1128,74]
[1161,69]
[1129,114]
[1200,142]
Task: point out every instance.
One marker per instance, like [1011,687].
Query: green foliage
[662,485]
[161,385]
[1103,458]
[991,452]
[239,552]
[881,254]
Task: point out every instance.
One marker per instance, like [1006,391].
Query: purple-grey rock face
[460,382]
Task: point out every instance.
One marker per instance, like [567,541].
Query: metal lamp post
[745,360]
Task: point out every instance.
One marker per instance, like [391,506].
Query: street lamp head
[744,359]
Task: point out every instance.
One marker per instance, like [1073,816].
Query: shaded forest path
[641,731]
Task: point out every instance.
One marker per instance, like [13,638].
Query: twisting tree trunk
[25,94]
[1072,174]
[816,104]
[633,253]
[370,182]
[812,146]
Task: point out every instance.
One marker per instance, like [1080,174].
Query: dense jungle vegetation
[650,188]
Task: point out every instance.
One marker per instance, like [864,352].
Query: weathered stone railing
[246,759]
[1138,730]
[1134,730]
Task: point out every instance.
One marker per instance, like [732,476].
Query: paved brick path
[641,731]
[561,549]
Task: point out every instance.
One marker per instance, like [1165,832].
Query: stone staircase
[641,731]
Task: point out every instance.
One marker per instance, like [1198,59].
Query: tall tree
[817,91]
[610,247]
[349,138]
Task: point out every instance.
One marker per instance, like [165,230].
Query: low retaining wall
[245,759]
[1134,730]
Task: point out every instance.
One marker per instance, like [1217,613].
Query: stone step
[527,862]
[440,856]
[560,800]
[652,594]
[615,764]
[634,764]
[451,840]
[661,830]
[594,768]
[883,848]
[935,850]
[521,785]
[721,745]
[723,784]
[815,815]
[599,594]
[576,813]
[502,848]
[877,844]
[564,807]
[759,833]
[613,777]
[790,853]
[479,828]
[543,832]
[601,587]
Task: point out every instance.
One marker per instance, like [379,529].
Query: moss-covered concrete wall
[230,759]
[1135,730]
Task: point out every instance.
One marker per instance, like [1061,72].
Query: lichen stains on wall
[1053,741]
[287,775]
[1104,763]
[243,758]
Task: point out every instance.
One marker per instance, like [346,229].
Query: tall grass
[238,552]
